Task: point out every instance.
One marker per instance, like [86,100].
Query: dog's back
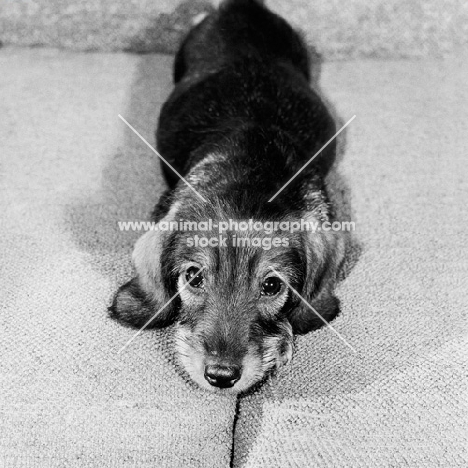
[243,67]
[240,30]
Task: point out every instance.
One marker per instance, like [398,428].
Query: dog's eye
[195,277]
[271,286]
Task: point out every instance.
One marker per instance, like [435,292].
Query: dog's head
[236,304]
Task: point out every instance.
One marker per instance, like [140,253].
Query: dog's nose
[222,376]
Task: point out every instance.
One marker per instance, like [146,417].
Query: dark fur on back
[240,122]
[245,66]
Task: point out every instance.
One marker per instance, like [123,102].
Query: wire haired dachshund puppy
[241,121]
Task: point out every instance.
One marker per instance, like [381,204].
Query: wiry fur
[240,122]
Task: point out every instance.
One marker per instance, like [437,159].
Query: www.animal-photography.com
[233,233]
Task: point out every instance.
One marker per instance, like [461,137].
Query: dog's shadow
[131,180]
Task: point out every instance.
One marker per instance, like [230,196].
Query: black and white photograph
[233,234]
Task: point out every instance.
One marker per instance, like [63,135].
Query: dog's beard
[276,352]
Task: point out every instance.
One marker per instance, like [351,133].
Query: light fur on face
[254,366]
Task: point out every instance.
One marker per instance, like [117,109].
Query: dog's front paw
[130,306]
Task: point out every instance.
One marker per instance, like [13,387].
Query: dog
[242,121]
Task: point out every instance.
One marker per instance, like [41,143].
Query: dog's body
[240,123]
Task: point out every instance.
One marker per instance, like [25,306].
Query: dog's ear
[324,256]
[146,295]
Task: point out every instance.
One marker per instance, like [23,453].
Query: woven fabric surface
[339,30]
[393,394]
[70,170]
